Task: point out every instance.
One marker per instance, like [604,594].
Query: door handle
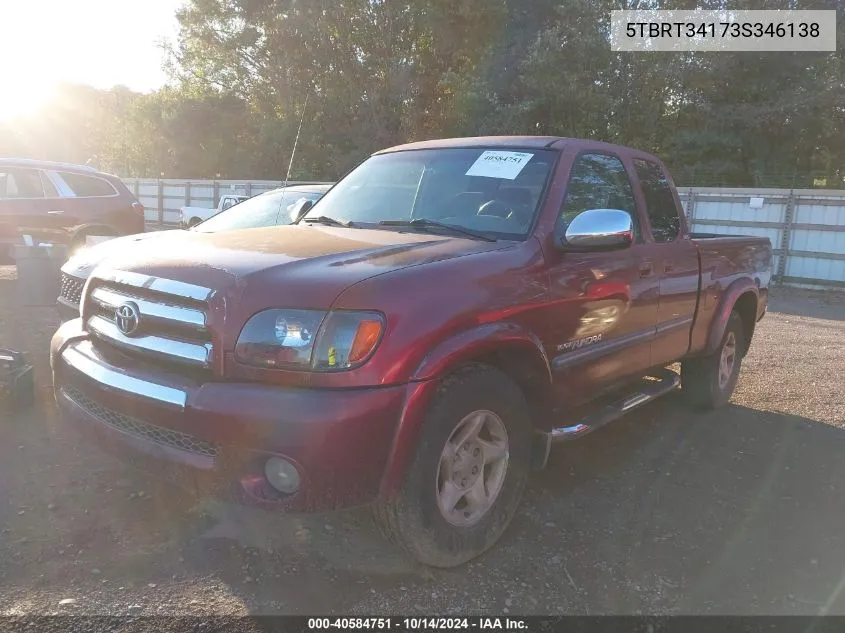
[646,269]
[54,212]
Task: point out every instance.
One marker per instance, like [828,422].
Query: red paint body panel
[446,301]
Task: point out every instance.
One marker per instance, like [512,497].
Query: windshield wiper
[422,223]
[322,219]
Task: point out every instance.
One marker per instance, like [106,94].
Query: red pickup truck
[419,338]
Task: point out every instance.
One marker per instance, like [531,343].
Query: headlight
[307,339]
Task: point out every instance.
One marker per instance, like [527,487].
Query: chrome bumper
[78,354]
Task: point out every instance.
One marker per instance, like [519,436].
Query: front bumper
[219,435]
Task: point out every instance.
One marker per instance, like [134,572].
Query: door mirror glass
[598,229]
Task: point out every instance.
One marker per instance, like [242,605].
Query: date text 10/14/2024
[418,624]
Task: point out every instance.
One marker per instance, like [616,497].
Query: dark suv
[63,204]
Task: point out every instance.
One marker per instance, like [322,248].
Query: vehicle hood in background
[81,264]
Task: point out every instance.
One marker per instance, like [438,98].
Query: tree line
[360,75]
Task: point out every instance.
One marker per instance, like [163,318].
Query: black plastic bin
[17,388]
[38,273]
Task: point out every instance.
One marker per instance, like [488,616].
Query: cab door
[676,264]
[604,304]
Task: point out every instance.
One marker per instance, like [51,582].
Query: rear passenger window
[20,183]
[660,203]
[597,181]
[88,186]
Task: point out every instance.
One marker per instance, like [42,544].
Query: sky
[102,43]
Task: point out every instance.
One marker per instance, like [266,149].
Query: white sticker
[498,164]
[756,203]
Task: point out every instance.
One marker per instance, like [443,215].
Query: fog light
[282,475]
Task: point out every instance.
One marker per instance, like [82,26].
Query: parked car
[191,216]
[267,209]
[419,339]
[62,204]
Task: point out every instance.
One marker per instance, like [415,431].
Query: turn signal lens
[347,339]
[366,338]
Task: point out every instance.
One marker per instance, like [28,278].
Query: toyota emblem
[127,318]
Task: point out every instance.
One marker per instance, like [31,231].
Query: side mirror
[598,230]
[300,208]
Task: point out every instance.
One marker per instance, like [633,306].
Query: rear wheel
[468,473]
[80,240]
[708,382]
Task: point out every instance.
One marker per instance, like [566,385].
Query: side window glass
[20,183]
[49,187]
[660,203]
[597,181]
[228,202]
[88,186]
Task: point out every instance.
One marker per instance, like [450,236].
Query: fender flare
[723,312]
[444,358]
[477,341]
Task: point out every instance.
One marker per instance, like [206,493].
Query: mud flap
[540,446]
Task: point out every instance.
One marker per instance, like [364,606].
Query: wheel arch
[508,347]
[92,229]
[742,296]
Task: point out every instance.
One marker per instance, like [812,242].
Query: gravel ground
[664,512]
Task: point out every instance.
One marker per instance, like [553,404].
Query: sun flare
[21,98]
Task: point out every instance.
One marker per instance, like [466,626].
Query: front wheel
[708,382]
[469,471]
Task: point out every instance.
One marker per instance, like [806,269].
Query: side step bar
[660,384]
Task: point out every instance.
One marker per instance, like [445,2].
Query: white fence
[806,226]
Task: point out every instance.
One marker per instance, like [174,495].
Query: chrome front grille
[71,288]
[139,429]
[149,316]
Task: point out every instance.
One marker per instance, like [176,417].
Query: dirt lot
[665,512]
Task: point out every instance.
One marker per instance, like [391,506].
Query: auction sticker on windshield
[496,164]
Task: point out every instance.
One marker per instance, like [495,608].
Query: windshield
[495,191]
[268,209]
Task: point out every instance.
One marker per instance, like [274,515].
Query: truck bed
[723,260]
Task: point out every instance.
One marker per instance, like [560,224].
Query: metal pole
[160,204]
[691,206]
[788,219]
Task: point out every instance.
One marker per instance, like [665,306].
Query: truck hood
[306,265]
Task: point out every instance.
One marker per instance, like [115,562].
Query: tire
[705,383]
[414,519]
[193,222]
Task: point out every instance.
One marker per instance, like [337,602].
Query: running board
[661,384]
